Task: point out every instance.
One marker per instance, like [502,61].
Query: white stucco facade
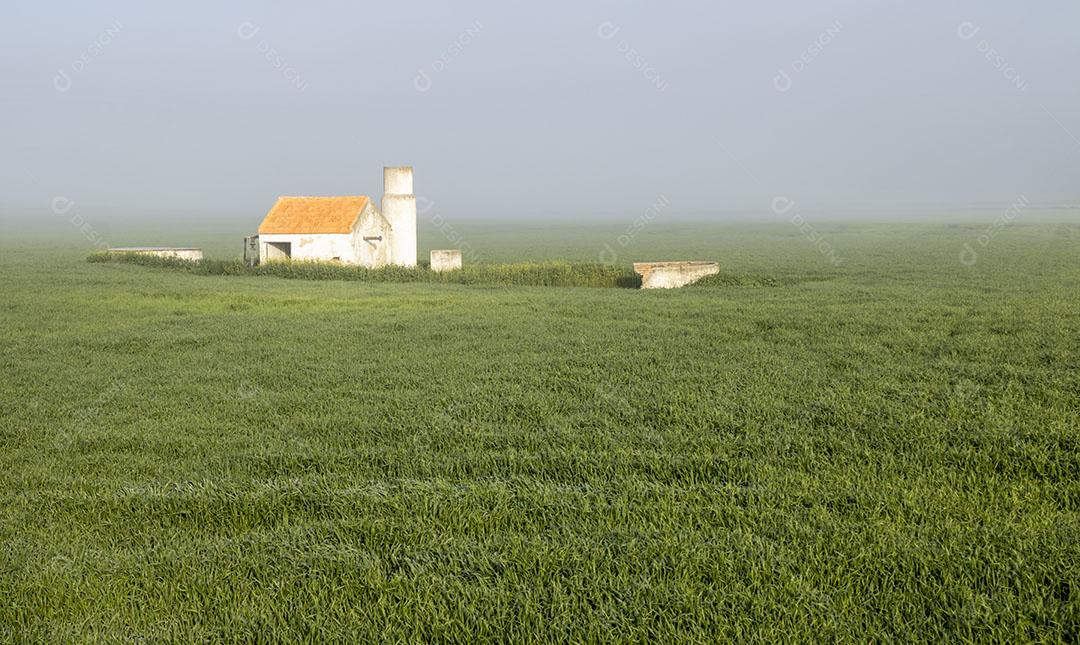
[399,209]
[316,246]
[400,213]
[375,239]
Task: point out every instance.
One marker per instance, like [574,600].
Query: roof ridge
[323,197]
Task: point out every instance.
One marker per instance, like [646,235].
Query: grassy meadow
[887,448]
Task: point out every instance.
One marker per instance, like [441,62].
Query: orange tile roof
[308,215]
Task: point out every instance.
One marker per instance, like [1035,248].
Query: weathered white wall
[400,212]
[446,260]
[399,209]
[669,275]
[322,246]
[371,252]
[397,180]
[193,255]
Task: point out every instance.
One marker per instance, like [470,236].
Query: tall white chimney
[399,208]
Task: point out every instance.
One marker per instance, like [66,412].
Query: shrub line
[539,274]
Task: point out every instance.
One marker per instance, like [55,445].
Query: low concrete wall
[446,260]
[193,255]
[668,275]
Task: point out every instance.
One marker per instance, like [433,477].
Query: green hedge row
[541,274]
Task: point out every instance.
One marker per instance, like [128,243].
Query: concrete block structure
[446,260]
[351,229]
[668,275]
[251,250]
[190,254]
[399,209]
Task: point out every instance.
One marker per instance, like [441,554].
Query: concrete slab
[446,260]
[162,251]
[674,273]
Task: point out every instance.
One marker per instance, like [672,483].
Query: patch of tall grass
[540,274]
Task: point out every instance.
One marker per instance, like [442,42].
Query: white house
[345,229]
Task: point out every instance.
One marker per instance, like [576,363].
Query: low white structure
[345,229]
[669,275]
[193,255]
[251,250]
[446,260]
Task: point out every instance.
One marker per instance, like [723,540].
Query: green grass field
[884,449]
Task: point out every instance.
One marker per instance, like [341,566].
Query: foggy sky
[514,109]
